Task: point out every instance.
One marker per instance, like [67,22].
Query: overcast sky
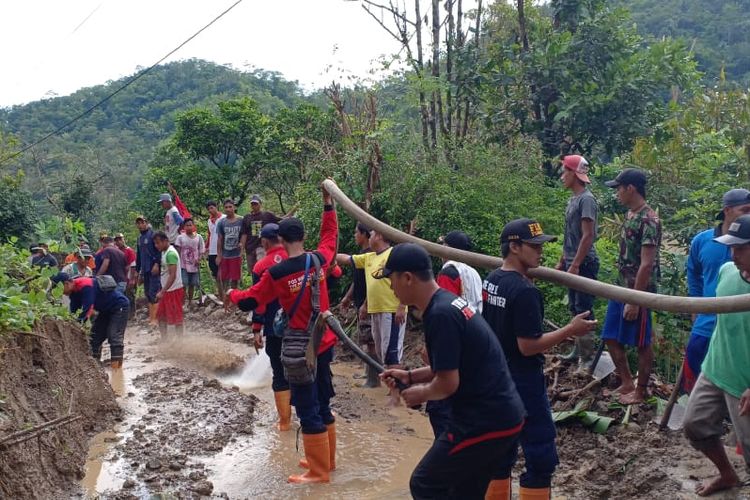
[58,46]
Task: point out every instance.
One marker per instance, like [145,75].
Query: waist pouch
[299,366]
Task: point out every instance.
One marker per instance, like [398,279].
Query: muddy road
[198,422]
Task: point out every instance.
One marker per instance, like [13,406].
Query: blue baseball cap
[270,231]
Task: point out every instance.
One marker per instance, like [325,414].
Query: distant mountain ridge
[119,137]
[719,30]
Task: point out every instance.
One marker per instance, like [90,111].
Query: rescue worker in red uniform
[263,318]
[286,281]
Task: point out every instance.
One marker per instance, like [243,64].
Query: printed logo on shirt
[463,306]
[490,296]
[277,258]
[295,284]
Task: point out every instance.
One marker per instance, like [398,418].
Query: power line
[119,89]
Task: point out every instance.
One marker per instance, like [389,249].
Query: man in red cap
[579,255]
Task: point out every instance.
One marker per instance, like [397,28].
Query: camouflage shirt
[639,229]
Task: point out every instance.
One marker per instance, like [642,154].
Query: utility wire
[119,89]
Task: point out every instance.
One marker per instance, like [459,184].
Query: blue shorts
[636,333]
[190,279]
[695,353]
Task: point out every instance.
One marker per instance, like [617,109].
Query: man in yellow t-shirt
[388,315]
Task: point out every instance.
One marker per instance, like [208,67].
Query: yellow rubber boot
[534,493]
[284,407]
[331,447]
[318,457]
[499,489]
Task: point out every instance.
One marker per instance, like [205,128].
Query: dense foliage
[23,291]
[718,31]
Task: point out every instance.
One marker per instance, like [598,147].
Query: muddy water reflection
[372,461]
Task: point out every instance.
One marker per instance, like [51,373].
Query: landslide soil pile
[53,398]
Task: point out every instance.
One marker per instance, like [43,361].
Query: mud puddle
[199,423]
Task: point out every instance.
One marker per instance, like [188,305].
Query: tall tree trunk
[522,26]
[375,159]
[420,77]
[437,93]
[470,99]
[524,39]
[449,77]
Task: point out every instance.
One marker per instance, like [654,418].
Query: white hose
[689,305]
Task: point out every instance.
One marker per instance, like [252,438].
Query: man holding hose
[468,369]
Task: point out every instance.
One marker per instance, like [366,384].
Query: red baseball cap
[579,165]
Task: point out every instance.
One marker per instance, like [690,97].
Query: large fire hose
[689,305]
[331,320]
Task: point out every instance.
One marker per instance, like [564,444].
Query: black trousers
[462,469]
[109,326]
[273,349]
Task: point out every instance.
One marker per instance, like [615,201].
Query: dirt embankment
[53,398]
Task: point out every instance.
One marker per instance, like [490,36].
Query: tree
[233,139]
[583,81]
[447,102]
[17,216]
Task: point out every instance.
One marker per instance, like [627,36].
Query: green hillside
[719,30]
[107,151]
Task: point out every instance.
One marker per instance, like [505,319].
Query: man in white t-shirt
[172,293]
[212,241]
[172,218]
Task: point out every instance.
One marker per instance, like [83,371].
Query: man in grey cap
[252,223]
[704,261]
[723,387]
[172,218]
[80,266]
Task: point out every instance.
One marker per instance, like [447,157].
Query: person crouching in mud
[299,285]
[468,368]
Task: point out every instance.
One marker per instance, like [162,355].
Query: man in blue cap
[263,319]
[723,387]
[704,261]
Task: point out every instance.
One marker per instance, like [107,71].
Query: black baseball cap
[255,199]
[270,231]
[525,230]
[733,198]
[292,229]
[405,257]
[457,239]
[60,278]
[628,177]
[738,233]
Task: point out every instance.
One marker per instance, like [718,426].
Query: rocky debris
[202,487]
[188,416]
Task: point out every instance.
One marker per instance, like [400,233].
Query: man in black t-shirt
[514,308]
[468,368]
[111,260]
